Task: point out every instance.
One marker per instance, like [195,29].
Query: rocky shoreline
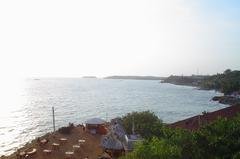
[230,100]
[226,83]
[225,99]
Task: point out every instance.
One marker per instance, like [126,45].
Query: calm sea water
[26,111]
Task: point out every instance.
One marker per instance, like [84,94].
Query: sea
[26,107]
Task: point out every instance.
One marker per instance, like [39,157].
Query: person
[70,124]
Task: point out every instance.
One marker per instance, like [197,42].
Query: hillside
[227,82]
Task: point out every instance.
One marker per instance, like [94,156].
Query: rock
[217,98]
[226,100]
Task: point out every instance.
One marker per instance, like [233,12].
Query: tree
[228,82]
[219,139]
[155,149]
[145,123]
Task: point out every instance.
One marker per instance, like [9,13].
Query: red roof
[194,123]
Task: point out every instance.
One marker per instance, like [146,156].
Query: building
[96,126]
[117,142]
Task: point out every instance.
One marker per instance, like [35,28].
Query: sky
[56,38]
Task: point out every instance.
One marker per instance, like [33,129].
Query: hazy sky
[124,37]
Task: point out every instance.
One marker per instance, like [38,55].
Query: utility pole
[53,119]
[133,127]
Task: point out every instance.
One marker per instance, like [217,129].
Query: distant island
[136,77]
[89,77]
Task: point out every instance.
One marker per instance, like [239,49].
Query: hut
[112,145]
[117,142]
[96,126]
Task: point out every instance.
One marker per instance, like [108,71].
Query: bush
[219,139]
[146,123]
[154,149]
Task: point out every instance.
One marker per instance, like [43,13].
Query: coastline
[224,99]
[226,83]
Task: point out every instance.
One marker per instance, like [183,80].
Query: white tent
[95,121]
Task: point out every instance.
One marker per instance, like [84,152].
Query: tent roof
[109,142]
[95,121]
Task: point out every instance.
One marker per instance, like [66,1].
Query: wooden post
[53,119]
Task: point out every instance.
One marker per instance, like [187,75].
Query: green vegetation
[218,140]
[227,82]
[185,80]
[154,149]
[146,123]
